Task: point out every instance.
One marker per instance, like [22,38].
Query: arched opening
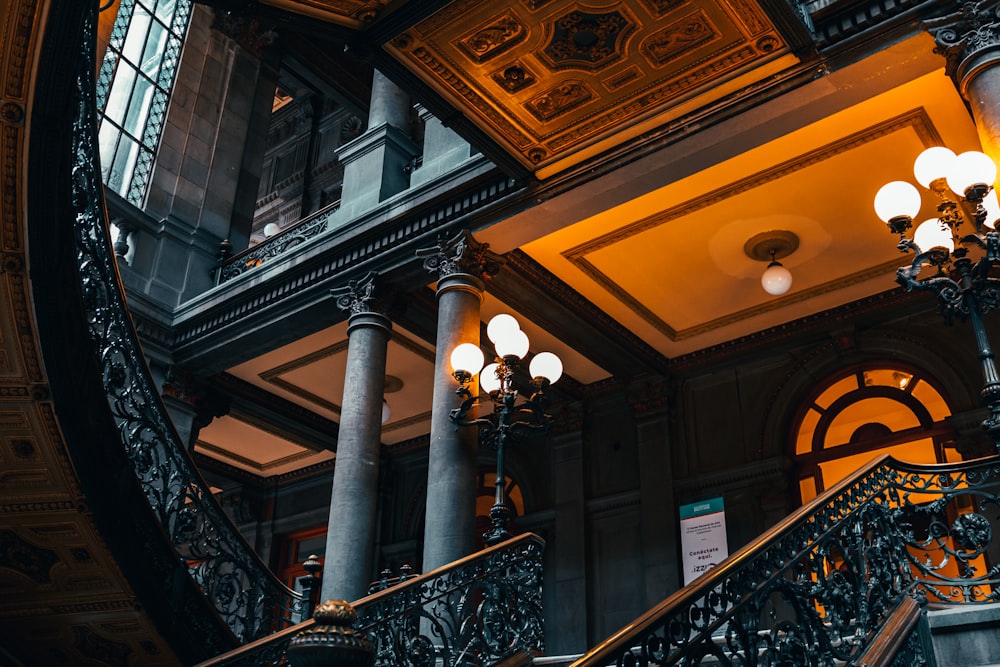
[866,411]
[486,496]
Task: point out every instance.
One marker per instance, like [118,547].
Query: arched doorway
[865,411]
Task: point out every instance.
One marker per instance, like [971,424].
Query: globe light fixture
[773,245]
[956,253]
[511,418]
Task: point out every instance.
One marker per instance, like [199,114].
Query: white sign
[703,537]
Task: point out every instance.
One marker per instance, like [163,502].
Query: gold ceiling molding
[259,466]
[916,120]
[409,421]
[546,79]
[274,375]
[270,428]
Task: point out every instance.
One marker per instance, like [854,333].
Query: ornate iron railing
[475,611]
[251,600]
[231,266]
[816,588]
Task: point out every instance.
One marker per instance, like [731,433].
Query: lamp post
[960,246]
[509,419]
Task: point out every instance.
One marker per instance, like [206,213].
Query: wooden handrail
[602,654]
[893,635]
[285,635]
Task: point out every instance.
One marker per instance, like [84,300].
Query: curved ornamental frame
[249,598]
[816,589]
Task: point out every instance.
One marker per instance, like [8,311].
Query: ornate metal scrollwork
[246,594]
[474,612]
[268,249]
[816,589]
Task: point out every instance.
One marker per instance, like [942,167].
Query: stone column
[350,538]
[566,622]
[969,39]
[376,163]
[462,264]
[648,400]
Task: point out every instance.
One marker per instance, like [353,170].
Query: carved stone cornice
[463,254]
[968,38]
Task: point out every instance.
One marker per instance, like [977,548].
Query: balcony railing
[817,588]
[475,612]
[231,266]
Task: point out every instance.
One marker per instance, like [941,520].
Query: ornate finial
[365,295]
[332,640]
[312,565]
[964,33]
[461,254]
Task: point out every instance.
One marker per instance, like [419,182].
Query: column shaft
[350,538]
[449,529]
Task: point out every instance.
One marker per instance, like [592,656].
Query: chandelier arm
[458,415]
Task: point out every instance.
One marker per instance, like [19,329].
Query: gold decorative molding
[261,467]
[916,120]
[546,79]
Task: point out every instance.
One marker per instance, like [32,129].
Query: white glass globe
[467,358]
[488,380]
[992,206]
[270,229]
[971,168]
[776,279]
[512,345]
[501,326]
[895,199]
[933,234]
[932,164]
[546,365]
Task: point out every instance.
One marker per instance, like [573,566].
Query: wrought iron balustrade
[231,266]
[475,611]
[246,594]
[816,588]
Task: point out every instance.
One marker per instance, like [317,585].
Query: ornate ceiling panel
[553,81]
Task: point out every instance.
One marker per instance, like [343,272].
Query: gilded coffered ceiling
[556,81]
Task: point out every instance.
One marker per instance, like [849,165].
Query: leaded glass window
[133,88]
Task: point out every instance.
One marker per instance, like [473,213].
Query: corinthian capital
[363,296]
[966,33]
[461,254]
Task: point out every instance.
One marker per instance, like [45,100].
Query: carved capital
[366,296]
[246,31]
[963,36]
[461,254]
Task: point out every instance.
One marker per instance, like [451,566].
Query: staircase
[869,573]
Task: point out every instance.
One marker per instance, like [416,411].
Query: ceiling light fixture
[967,213]
[773,245]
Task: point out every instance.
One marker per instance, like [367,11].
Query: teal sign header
[710,506]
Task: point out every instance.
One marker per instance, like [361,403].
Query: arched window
[864,412]
[485,498]
[133,87]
